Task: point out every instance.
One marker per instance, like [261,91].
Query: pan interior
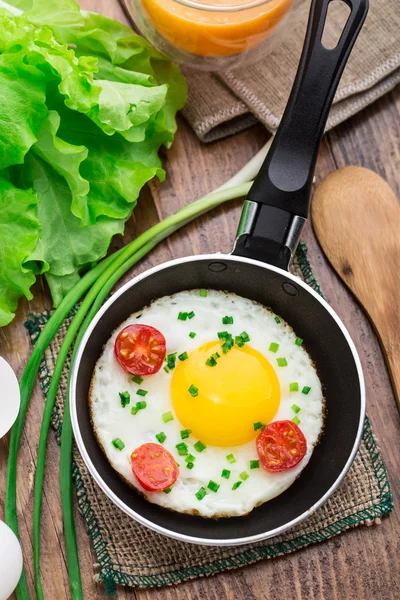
[323,339]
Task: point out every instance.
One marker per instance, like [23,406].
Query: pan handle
[277,205]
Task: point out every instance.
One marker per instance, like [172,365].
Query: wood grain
[356,217]
[360,564]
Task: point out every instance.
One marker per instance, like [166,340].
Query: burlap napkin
[129,554]
[219,105]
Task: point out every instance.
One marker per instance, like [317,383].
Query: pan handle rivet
[217,267]
[290,289]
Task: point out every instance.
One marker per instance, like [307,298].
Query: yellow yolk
[240,390]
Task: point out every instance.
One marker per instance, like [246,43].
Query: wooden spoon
[356,217]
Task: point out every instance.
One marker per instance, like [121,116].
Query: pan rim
[163,530]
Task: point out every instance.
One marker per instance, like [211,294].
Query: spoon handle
[356,218]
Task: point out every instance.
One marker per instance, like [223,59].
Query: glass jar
[214,35]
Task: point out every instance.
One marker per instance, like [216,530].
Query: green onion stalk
[99,281]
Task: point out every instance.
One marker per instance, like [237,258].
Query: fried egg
[208,415]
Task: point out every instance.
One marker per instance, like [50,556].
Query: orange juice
[207,31]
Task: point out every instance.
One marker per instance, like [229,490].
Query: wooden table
[360,564]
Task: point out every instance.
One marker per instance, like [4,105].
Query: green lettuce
[85,107]
[19,235]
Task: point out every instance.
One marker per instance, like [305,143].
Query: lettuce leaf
[115,169]
[22,108]
[85,106]
[19,234]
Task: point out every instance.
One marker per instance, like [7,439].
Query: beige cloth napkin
[225,103]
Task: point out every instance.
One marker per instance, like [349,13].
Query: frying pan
[272,219]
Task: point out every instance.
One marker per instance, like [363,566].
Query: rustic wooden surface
[360,564]
[374,212]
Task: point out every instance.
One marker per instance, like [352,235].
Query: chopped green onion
[193,391]
[274,347]
[185,433]
[242,339]
[137,379]
[211,362]
[138,406]
[183,356]
[191,315]
[118,444]
[296,408]
[167,369]
[227,320]
[257,426]
[199,446]
[213,486]
[282,362]
[294,387]
[203,293]
[243,475]
[189,465]
[306,390]
[192,335]
[277,320]
[296,420]
[216,355]
[190,458]
[141,392]
[182,316]
[200,494]
[236,485]
[168,490]
[161,437]
[182,449]
[125,398]
[254,464]
[166,417]
[238,341]
[222,335]
[298,341]
[228,343]
[171,360]
[230,458]
[225,473]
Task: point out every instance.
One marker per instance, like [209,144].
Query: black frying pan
[271,223]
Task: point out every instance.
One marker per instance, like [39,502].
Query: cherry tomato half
[154,467]
[281,446]
[140,349]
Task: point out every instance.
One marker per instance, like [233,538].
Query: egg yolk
[240,390]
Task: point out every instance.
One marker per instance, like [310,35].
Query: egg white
[110,420]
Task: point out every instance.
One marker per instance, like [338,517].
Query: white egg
[10,561]
[239,379]
[9,398]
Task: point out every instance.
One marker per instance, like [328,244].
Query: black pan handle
[277,205]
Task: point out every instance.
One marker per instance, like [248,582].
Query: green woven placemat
[129,554]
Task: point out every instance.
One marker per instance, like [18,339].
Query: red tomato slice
[140,349]
[154,467]
[281,446]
